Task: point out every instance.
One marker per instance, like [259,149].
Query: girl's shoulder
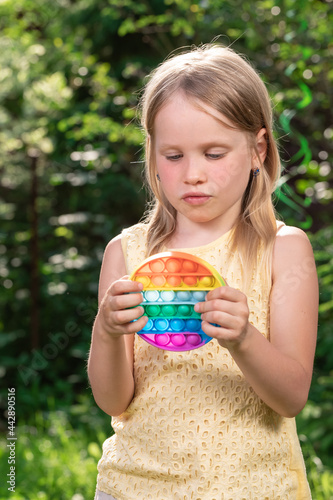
[134,245]
[292,251]
[289,235]
[136,231]
[119,246]
[134,236]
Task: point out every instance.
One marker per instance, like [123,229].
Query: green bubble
[184,310]
[168,310]
[153,310]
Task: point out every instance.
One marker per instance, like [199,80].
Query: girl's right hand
[120,306]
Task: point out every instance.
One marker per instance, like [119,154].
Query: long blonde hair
[225,81]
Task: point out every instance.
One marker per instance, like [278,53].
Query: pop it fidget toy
[172,283]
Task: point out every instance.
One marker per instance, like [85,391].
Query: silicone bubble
[173,282]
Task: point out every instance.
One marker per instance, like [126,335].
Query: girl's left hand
[228,308]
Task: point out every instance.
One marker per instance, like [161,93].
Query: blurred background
[71,178]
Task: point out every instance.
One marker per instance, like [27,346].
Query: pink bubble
[194,339]
[162,339]
[178,339]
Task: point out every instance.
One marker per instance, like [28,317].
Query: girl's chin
[198,218]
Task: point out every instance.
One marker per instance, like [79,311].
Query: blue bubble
[161,324]
[149,326]
[177,325]
[193,325]
[168,295]
[199,296]
[152,295]
[183,296]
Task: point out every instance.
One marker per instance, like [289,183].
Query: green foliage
[71,178]
[54,460]
[316,419]
[320,477]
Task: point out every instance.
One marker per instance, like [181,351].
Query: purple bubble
[194,339]
[178,339]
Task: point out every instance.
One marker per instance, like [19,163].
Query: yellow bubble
[206,281]
[144,280]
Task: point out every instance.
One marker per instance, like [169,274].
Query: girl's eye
[174,157]
[215,156]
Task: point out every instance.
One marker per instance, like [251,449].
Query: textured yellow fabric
[195,428]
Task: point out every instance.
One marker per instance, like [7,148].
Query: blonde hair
[225,81]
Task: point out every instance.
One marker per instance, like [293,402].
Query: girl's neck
[194,234]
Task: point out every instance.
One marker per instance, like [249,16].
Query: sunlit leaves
[48,93]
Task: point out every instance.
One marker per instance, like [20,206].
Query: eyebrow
[207,145]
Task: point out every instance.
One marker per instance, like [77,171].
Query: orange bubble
[174,281]
[189,266]
[157,266]
[173,265]
[158,280]
[190,280]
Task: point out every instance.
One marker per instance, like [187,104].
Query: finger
[130,328]
[217,305]
[125,286]
[225,292]
[215,331]
[125,301]
[123,316]
[135,326]
[220,318]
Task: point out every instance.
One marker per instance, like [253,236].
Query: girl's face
[203,165]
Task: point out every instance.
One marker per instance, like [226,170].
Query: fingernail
[142,311]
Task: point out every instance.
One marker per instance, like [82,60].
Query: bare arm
[279,370]
[110,363]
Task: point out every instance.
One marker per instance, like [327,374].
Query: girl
[216,423]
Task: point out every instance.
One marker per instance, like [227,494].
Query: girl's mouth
[196,198]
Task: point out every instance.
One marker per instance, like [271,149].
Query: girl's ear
[261,143]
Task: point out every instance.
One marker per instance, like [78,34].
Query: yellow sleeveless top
[195,429]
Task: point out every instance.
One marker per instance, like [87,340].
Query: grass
[54,461]
[319,476]
[57,461]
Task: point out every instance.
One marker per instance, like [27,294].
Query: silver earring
[158,177]
[256,172]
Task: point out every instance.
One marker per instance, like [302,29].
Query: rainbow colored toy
[172,283]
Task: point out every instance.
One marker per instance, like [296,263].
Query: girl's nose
[194,172]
